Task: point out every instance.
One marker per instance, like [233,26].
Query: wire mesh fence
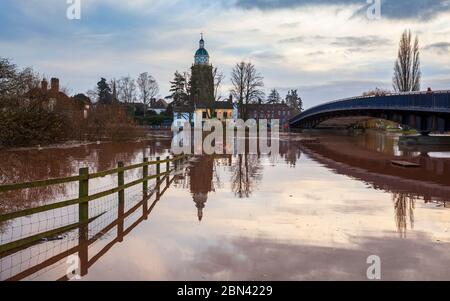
[108,218]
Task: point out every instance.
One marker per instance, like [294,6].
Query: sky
[327,49]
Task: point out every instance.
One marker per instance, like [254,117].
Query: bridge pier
[446,124]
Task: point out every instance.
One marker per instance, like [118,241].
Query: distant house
[270,112]
[158,106]
[200,112]
[182,114]
[55,100]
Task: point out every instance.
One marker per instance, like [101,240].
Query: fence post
[83,213]
[145,175]
[145,188]
[158,171]
[121,208]
[167,170]
[83,208]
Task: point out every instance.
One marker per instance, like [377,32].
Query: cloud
[266,259]
[441,47]
[355,42]
[391,9]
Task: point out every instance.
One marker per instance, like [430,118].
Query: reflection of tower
[201,176]
[200,200]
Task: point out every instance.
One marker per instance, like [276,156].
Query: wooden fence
[84,199]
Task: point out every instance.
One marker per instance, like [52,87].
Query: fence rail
[84,198]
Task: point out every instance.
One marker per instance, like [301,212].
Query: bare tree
[407,74]
[218,79]
[92,94]
[15,82]
[238,81]
[126,87]
[148,89]
[247,83]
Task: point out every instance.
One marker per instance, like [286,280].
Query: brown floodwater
[316,211]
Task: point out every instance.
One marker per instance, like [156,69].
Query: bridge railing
[84,198]
[435,101]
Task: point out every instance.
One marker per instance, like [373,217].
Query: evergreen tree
[274,97]
[294,101]
[104,92]
[178,89]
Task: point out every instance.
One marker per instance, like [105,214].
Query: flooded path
[315,212]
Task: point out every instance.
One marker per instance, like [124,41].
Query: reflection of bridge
[381,174]
[424,111]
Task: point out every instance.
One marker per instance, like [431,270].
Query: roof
[183,109]
[202,52]
[267,106]
[221,105]
[159,105]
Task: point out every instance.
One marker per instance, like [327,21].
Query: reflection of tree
[246,173]
[404,207]
[24,165]
[290,150]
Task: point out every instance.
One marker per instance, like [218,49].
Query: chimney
[54,85]
[44,85]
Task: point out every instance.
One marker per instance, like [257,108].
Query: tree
[178,88]
[274,97]
[82,98]
[103,92]
[407,74]
[376,92]
[247,84]
[294,101]
[15,82]
[218,79]
[92,94]
[126,89]
[148,89]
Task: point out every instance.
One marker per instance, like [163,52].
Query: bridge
[423,111]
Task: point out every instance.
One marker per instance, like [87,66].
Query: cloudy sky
[328,49]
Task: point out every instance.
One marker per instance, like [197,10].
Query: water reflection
[201,175]
[297,209]
[246,172]
[404,212]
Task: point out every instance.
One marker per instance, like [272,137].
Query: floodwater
[316,211]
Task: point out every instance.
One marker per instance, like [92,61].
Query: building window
[225,115]
[205,115]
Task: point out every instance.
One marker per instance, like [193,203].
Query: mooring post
[83,213]
[121,208]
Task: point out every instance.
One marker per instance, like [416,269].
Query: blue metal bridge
[424,111]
